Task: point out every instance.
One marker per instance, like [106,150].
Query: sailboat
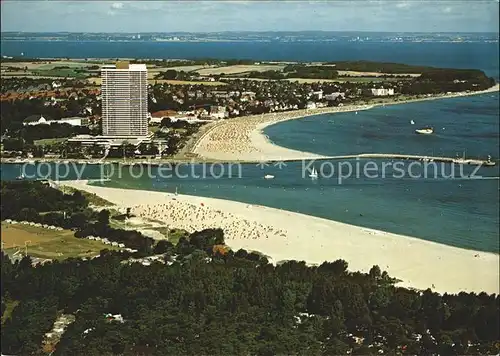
[21,175]
[314,173]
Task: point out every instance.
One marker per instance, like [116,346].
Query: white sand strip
[284,235]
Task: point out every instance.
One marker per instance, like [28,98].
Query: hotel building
[124,94]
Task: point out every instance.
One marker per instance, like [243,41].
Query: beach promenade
[242,139]
[284,235]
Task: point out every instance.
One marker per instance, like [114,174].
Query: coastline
[284,235]
[242,139]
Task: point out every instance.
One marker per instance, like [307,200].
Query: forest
[202,299]
[381,67]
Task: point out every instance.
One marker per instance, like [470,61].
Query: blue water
[467,124]
[460,212]
[479,55]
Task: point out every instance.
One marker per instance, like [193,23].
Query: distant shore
[242,139]
[284,235]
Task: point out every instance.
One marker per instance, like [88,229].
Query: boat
[412,122]
[489,162]
[314,173]
[268,176]
[425,131]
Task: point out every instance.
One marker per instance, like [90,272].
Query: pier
[407,157]
[156,162]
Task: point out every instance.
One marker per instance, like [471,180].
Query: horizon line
[254,31]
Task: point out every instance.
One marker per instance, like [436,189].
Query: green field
[370,79]
[64,64]
[49,244]
[70,73]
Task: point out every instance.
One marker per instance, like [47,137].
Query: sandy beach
[242,139]
[284,235]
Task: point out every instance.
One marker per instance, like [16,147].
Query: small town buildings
[334,96]
[218,112]
[379,92]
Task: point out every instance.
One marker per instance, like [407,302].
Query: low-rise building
[157,116]
[334,96]
[109,141]
[317,94]
[42,120]
[311,105]
[380,92]
[218,112]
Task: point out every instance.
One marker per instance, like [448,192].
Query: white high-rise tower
[124,94]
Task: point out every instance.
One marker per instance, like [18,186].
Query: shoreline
[242,139]
[284,235]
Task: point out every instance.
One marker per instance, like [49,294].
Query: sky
[217,16]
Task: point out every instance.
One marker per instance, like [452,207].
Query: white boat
[268,176]
[412,122]
[21,175]
[314,173]
[425,131]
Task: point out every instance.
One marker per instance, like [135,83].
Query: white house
[311,105]
[317,94]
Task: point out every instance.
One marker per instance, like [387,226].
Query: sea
[478,55]
[449,204]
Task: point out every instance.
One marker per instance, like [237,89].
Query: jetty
[406,157]
[156,162]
